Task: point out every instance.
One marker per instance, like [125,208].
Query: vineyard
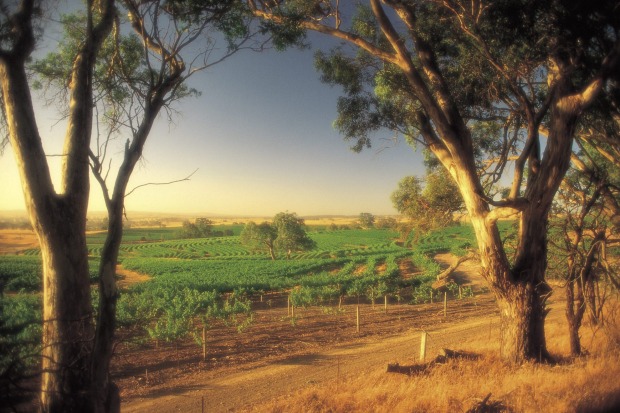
[196,282]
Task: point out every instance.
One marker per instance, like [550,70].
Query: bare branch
[187,178]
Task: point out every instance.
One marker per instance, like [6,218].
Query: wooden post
[292,311]
[445,304]
[431,296]
[357,317]
[288,306]
[146,374]
[460,293]
[385,301]
[204,343]
[423,346]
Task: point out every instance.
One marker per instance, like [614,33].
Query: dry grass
[586,384]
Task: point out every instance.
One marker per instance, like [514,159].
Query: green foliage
[422,294]
[291,233]
[20,339]
[173,311]
[429,206]
[235,309]
[196,281]
[366,220]
[259,237]
[285,233]
[201,228]
[24,272]
[387,223]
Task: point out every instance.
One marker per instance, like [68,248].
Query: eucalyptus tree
[472,82]
[584,227]
[260,236]
[366,220]
[286,232]
[291,231]
[428,204]
[120,82]
[58,217]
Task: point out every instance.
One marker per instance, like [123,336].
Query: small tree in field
[202,228]
[366,220]
[259,237]
[292,235]
[285,233]
[427,206]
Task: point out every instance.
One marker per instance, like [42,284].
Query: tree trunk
[520,292]
[67,316]
[574,314]
[104,393]
[523,313]
[59,222]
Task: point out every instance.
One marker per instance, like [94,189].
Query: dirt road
[239,388]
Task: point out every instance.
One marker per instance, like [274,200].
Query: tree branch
[187,178]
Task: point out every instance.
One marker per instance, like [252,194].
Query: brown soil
[275,357]
[126,278]
[16,241]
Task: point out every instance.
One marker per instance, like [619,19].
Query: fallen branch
[445,277]
[444,356]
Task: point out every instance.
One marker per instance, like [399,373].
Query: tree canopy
[476,83]
[201,228]
[366,220]
[285,233]
[428,204]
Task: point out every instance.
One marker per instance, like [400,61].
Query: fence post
[423,346]
[288,306]
[431,296]
[204,343]
[357,317]
[385,300]
[445,304]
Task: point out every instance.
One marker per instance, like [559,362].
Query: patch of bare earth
[15,241]
[127,278]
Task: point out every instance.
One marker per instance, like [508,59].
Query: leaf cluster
[285,233]
[428,204]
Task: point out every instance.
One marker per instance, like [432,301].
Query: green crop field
[224,264]
[216,277]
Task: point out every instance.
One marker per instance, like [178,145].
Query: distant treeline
[15,223]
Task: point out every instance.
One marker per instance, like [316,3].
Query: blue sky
[261,137]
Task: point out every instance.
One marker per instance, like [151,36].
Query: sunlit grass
[586,384]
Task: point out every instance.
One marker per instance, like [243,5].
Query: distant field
[222,263]
[218,277]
